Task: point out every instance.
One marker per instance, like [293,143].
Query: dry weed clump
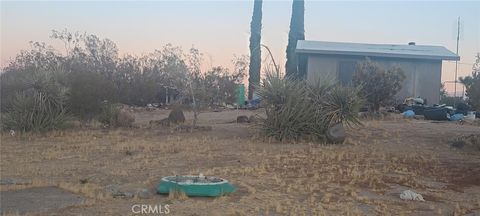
[471,141]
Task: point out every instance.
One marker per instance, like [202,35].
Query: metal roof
[376,50]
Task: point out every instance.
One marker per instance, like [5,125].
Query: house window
[345,72]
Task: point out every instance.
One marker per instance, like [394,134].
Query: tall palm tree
[255,52]
[295,67]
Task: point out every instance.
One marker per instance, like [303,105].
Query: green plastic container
[241,95]
[195,186]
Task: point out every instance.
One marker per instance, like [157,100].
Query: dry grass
[362,176]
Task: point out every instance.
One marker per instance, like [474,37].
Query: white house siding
[423,77]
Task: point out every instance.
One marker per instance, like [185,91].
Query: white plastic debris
[411,195]
[12,133]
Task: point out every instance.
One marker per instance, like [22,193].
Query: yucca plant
[288,114]
[296,109]
[39,107]
[338,105]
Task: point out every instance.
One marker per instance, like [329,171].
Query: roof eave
[374,54]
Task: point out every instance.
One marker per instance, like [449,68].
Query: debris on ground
[11,181]
[115,192]
[457,117]
[190,128]
[144,194]
[408,114]
[411,195]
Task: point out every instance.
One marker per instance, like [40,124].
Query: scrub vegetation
[42,87]
[377,85]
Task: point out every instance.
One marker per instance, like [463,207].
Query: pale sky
[220,29]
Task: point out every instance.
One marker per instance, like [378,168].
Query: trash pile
[417,106]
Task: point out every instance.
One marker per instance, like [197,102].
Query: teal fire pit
[195,185]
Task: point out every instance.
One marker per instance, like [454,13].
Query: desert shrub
[88,91]
[472,85]
[297,110]
[38,105]
[377,85]
[112,116]
[176,116]
[471,141]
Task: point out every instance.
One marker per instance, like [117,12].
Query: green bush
[40,106]
[112,116]
[298,110]
[472,85]
[88,91]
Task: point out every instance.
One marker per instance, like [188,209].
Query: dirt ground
[363,176]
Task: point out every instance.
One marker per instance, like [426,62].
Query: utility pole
[456,64]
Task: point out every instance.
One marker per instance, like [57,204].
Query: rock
[144,194]
[242,119]
[336,134]
[176,116]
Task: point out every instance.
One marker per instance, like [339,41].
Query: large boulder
[242,119]
[336,134]
[176,116]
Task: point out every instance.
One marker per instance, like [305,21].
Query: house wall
[423,77]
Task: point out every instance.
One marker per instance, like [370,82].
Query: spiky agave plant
[39,107]
[333,104]
[341,105]
[296,109]
[288,111]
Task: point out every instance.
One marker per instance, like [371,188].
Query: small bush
[472,85]
[176,116]
[471,141]
[113,116]
[377,85]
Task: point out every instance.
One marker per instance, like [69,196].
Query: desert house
[422,64]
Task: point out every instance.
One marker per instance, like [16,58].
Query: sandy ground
[363,176]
